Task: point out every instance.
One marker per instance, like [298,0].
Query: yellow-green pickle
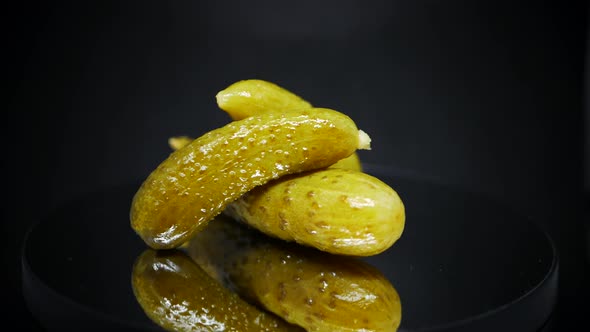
[179,296]
[245,98]
[313,289]
[196,182]
[335,210]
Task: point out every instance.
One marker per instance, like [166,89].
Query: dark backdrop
[487,95]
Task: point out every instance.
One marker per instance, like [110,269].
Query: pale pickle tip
[364,141]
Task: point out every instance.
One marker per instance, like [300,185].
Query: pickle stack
[276,207]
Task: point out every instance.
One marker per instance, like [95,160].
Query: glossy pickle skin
[315,290]
[334,210]
[251,97]
[196,182]
[245,98]
[179,296]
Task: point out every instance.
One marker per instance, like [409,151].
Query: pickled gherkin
[196,182]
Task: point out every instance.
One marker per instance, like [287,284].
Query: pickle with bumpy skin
[313,289]
[178,295]
[335,210]
[246,98]
[196,183]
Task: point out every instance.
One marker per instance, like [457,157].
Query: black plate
[464,263]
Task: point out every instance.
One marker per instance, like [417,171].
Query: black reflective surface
[464,263]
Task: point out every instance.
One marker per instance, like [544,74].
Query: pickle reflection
[313,289]
[178,295]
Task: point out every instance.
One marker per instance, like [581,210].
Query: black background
[486,95]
